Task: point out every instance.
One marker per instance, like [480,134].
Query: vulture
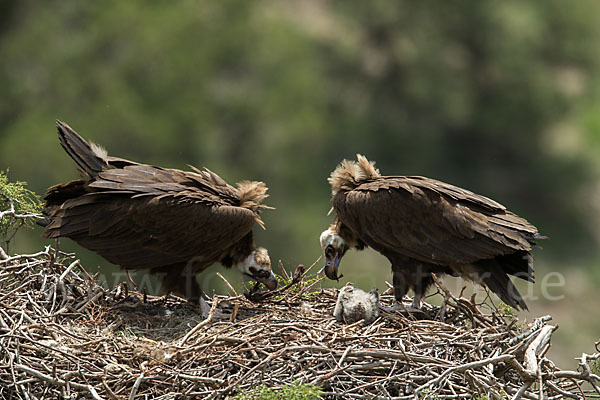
[424,226]
[170,222]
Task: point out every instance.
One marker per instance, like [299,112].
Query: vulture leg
[422,280]
[204,307]
[420,288]
[400,279]
[180,280]
[411,274]
[400,288]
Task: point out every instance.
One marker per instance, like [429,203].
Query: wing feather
[147,217]
[431,220]
[146,233]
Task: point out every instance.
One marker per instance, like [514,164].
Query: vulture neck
[350,239]
[239,252]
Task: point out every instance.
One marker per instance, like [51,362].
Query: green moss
[293,391]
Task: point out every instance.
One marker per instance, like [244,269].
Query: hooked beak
[270,281]
[332,265]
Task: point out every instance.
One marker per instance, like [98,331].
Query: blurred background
[500,97]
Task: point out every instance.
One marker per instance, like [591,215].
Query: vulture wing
[142,216]
[431,221]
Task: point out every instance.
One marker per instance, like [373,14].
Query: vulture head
[258,267]
[334,248]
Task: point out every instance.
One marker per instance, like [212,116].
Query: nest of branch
[62,335]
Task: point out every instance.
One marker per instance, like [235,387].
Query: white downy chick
[354,304]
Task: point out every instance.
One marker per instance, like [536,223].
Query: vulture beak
[332,265]
[270,281]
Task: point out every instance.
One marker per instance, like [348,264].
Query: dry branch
[64,335]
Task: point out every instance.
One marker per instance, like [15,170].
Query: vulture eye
[252,270]
[329,251]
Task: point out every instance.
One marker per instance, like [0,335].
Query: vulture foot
[399,308]
[417,302]
[223,311]
[161,301]
[204,307]
[394,308]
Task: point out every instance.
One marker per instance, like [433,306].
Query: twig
[56,381]
[298,274]
[285,274]
[235,293]
[25,256]
[313,264]
[205,322]
[136,386]
[122,348]
[533,350]
[12,212]
[69,268]
[522,390]
[464,367]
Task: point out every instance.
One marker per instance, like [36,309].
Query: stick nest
[63,335]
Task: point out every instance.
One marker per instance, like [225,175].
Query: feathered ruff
[99,151]
[349,174]
[251,195]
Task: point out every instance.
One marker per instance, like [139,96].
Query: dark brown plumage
[425,226]
[173,223]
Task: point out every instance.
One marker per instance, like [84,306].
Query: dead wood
[63,335]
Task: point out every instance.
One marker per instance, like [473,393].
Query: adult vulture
[173,223]
[424,226]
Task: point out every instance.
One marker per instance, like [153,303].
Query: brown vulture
[424,226]
[173,223]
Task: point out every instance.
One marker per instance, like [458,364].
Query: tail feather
[87,157]
[58,194]
[518,264]
[497,280]
[43,222]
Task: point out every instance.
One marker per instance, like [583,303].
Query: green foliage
[507,311]
[125,332]
[309,282]
[26,205]
[425,394]
[303,290]
[595,367]
[293,391]
[304,286]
